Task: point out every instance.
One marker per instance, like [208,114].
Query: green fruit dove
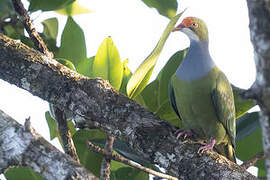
[201,95]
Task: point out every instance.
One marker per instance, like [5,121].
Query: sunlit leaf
[73,45]
[73,9]
[22,173]
[166,8]
[126,76]
[140,78]
[107,63]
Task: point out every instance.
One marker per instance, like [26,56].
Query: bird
[201,94]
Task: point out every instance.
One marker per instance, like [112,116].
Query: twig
[35,37]
[119,158]
[105,170]
[65,134]
[253,160]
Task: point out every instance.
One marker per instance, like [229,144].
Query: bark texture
[95,102]
[21,145]
[259,15]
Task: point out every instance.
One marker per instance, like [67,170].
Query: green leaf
[107,63]
[22,173]
[249,138]
[150,94]
[166,8]
[89,159]
[85,67]
[50,27]
[130,173]
[66,63]
[48,5]
[52,124]
[165,111]
[247,124]
[140,78]
[6,9]
[126,76]
[241,105]
[73,9]
[166,73]
[73,45]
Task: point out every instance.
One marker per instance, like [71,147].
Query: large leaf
[150,94]
[140,78]
[166,8]
[73,9]
[48,5]
[107,63]
[85,67]
[73,45]
[156,95]
[22,173]
[166,73]
[249,139]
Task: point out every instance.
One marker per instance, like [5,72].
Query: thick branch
[259,16]
[21,145]
[94,101]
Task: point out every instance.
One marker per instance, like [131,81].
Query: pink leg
[185,133]
[207,146]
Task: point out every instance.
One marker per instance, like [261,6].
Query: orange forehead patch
[188,21]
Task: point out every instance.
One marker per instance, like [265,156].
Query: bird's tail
[226,150]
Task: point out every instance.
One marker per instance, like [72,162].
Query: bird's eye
[194,24]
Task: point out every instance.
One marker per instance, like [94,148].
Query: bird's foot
[207,147]
[184,133]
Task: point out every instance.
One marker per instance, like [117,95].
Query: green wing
[222,97]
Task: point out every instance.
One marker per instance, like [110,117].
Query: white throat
[192,36]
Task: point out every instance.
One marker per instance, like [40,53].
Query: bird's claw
[184,133]
[207,147]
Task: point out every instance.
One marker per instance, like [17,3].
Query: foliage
[106,63]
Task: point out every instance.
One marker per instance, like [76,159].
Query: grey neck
[197,62]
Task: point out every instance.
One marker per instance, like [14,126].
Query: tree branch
[65,134]
[94,101]
[105,169]
[35,37]
[121,159]
[253,160]
[259,16]
[22,146]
